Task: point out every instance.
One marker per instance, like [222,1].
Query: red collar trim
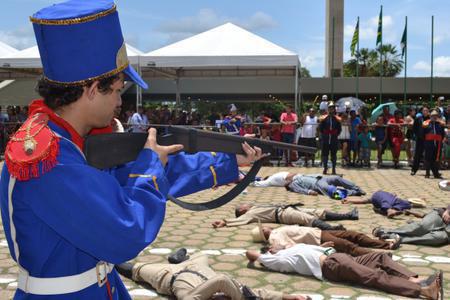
[38,106]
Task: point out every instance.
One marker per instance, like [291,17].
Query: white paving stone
[439,259]
[234,251]
[3,243]
[191,250]
[338,297]
[411,255]
[143,292]
[160,251]
[211,252]
[313,296]
[7,280]
[12,285]
[372,297]
[415,260]
[396,258]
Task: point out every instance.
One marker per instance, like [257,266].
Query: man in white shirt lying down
[374,270]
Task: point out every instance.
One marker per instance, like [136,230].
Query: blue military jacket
[72,217]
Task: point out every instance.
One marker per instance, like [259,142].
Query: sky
[297,25]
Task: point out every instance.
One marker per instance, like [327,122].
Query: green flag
[380,28]
[355,38]
[403,43]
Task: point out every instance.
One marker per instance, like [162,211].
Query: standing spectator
[396,136]
[380,139]
[308,134]
[139,121]
[344,139]
[409,121]
[355,121]
[288,121]
[447,113]
[419,137]
[386,114]
[439,105]
[232,122]
[330,128]
[434,135]
[364,139]
[265,128]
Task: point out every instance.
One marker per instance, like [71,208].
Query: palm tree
[369,62]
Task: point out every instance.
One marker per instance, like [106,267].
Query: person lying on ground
[432,230]
[332,186]
[194,279]
[389,204]
[311,184]
[374,270]
[291,214]
[346,241]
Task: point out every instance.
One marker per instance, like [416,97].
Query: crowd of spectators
[397,132]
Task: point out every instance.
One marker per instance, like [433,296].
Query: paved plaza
[226,246]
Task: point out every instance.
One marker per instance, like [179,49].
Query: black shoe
[339,227]
[354,215]
[125,269]
[413,173]
[378,232]
[179,256]
[438,176]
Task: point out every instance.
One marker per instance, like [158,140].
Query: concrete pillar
[334,8]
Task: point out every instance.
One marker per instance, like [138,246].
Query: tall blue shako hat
[81,41]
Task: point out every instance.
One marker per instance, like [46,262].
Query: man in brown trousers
[193,279]
[291,214]
[374,270]
[346,241]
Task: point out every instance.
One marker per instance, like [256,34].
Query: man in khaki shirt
[194,279]
[285,214]
[350,242]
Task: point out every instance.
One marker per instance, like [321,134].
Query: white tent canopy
[225,45]
[227,52]
[6,50]
[30,58]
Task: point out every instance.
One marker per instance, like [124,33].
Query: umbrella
[352,102]
[379,110]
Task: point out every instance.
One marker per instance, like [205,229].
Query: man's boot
[325,226]
[352,215]
[125,269]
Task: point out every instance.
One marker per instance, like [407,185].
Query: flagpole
[357,64]
[381,57]
[432,58]
[332,63]
[406,59]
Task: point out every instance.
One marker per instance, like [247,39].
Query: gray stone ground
[183,228]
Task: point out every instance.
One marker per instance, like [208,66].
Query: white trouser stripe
[12,182]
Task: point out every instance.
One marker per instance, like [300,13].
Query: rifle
[105,151]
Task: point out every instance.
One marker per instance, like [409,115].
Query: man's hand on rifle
[162,151]
[251,154]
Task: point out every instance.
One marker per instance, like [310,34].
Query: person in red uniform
[396,136]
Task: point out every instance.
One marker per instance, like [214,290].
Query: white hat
[417,202]
[441,98]
[258,234]
[325,97]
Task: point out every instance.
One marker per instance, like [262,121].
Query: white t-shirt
[277,179]
[309,128]
[301,258]
[139,122]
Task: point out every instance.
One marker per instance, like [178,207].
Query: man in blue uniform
[434,134]
[330,128]
[66,223]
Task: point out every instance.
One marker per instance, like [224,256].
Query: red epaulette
[33,149]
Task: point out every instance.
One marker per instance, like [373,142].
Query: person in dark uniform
[434,133]
[330,128]
[419,137]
